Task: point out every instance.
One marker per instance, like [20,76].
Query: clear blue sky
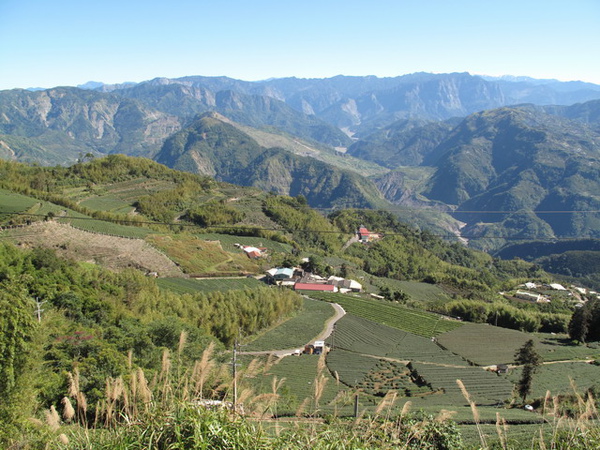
[46,43]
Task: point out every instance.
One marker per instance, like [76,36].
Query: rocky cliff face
[82,121]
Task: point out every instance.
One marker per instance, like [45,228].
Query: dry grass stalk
[264,402]
[63,439]
[182,341]
[319,385]
[321,364]
[547,400]
[202,369]
[590,408]
[130,359]
[276,384]
[52,418]
[580,401]
[81,407]
[302,408]
[165,371]
[165,367]
[68,410]
[244,395]
[444,415]
[405,409]
[253,369]
[386,402]
[73,383]
[556,409]
[474,411]
[144,392]
[501,430]
[271,359]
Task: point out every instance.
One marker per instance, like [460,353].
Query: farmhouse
[531,296]
[314,287]
[253,252]
[364,235]
[501,368]
[557,287]
[345,285]
[283,273]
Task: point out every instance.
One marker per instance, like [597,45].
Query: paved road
[339,313]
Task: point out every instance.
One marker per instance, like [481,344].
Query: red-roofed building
[314,287]
[364,235]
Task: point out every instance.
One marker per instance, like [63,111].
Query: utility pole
[39,309]
[234,365]
[234,370]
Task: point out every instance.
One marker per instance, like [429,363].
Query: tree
[530,359]
[579,324]
[16,329]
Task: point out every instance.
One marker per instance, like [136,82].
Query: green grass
[192,285]
[391,314]
[297,331]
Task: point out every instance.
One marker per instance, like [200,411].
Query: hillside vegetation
[121,345]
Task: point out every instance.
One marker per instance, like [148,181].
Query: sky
[47,43]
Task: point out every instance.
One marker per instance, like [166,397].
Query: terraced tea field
[11,203]
[391,314]
[297,331]
[86,223]
[367,337]
[191,285]
[484,387]
[557,378]
[486,345]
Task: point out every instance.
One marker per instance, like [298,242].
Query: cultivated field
[227,242]
[11,203]
[198,257]
[485,344]
[384,312]
[112,252]
[191,285]
[297,331]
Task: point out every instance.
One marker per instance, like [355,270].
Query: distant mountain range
[496,154]
[363,104]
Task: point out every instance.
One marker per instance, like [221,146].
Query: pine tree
[530,359]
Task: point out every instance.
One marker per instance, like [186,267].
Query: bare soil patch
[115,253]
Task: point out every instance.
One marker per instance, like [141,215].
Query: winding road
[339,313]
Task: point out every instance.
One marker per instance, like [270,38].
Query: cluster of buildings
[531,292]
[298,280]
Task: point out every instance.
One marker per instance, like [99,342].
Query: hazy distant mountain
[449,139]
[231,99]
[210,146]
[364,104]
[54,126]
